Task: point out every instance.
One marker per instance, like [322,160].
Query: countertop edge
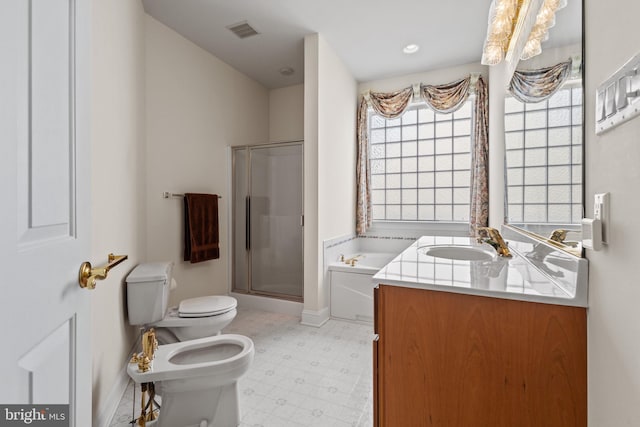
[569,302]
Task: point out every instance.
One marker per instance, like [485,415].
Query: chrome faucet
[494,239]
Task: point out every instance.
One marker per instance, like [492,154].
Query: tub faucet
[351,261]
[494,239]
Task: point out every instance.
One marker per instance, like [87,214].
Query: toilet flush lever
[88,275]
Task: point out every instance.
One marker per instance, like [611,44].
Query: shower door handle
[247,223]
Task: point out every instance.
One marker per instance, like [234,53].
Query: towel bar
[167,195]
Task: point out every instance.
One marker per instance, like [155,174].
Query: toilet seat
[206,306]
[173,319]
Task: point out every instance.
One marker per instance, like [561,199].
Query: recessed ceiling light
[411,48]
[286,71]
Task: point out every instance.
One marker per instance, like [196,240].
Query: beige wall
[286,114]
[337,109]
[117,187]
[312,252]
[612,164]
[196,106]
[330,97]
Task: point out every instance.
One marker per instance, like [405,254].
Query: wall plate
[618,98]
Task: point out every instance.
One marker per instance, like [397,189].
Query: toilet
[148,287]
[199,380]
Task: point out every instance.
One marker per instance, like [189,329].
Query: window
[421,165]
[543,144]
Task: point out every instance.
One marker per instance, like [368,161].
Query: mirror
[544,144]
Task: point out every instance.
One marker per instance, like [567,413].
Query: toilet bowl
[148,287]
[199,380]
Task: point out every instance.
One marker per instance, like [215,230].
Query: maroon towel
[201,234]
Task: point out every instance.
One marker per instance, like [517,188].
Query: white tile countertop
[537,272]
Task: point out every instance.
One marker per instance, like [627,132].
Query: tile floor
[301,375]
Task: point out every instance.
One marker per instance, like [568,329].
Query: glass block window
[543,144]
[421,165]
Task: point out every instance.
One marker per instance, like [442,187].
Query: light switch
[601,212]
[600,116]
[610,100]
[592,234]
[621,92]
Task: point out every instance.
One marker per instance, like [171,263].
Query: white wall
[330,157]
[196,106]
[286,114]
[612,164]
[432,77]
[118,173]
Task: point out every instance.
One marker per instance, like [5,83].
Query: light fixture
[518,28]
[286,71]
[411,48]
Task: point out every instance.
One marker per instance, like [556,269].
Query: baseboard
[275,305]
[315,318]
[108,407]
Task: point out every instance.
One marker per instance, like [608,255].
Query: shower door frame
[248,149]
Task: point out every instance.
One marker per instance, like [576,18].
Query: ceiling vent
[242,29]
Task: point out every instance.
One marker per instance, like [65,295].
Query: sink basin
[460,252]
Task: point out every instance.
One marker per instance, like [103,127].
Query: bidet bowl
[206,354]
[217,360]
[460,252]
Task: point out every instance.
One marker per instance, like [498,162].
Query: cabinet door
[448,359]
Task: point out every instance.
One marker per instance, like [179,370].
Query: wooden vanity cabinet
[455,360]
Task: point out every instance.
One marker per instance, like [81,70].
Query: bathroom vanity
[497,342]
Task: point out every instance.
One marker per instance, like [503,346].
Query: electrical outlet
[601,212]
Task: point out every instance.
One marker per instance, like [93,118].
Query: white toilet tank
[148,288]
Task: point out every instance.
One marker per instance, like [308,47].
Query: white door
[45,355]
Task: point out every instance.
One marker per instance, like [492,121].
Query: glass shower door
[275,212]
[267,225]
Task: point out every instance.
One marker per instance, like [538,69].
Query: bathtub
[351,288]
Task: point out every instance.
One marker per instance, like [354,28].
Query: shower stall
[267,188]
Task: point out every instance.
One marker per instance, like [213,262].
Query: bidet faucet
[149,347]
[494,239]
